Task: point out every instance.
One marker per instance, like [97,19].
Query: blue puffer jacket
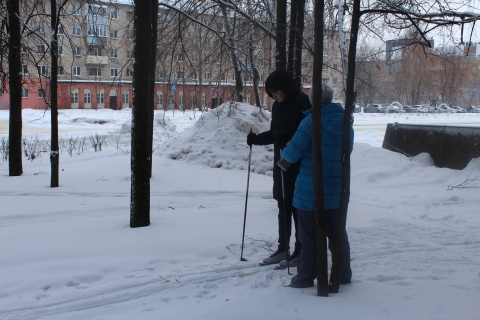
[301,147]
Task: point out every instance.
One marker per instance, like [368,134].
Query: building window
[129,72]
[113,34]
[114,53]
[41,48]
[193,97]
[129,15]
[1,93]
[76,51]
[76,10]
[334,81]
[60,71]
[24,68]
[24,93]
[265,100]
[207,75]
[74,97]
[223,77]
[102,30]
[248,99]
[76,30]
[97,72]
[42,70]
[335,66]
[194,57]
[60,50]
[129,54]
[160,98]
[129,34]
[125,97]
[87,97]
[324,67]
[113,72]
[179,74]
[325,52]
[60,30]
[113,14]
[76,71]
[181,100]
[100,98]
[194,76]
[325,80]
[41,28]
[24,49]
[248,77]
[41,93]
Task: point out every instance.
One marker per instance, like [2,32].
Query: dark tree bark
[54,152]
[153,63]
[338,255]
[15,167]
[239,93]
[281,36]
[297,23]
[141,115]
[320,218]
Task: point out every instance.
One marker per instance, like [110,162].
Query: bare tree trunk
[297,23]
[54,152]
[320,218]
[233,48]
[341,36]
[281,33]
[338,255]
[15,167]
[153,63]
[141,115]
[251,53]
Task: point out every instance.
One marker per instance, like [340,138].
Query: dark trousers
[285,226]
[307,264]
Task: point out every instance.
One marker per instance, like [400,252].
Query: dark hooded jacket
[286,116]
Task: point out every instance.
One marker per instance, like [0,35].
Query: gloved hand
[281,139]
[251,138]
[283,164]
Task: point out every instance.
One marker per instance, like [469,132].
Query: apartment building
[95,66]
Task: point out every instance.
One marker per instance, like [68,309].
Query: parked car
[471,109]
[408,109]
[420,108]
[393,109]
[445,109]
[374,108]
[459,109]
[357,108]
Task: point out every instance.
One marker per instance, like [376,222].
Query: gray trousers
[307,263]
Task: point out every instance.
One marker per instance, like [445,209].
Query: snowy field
[69,253]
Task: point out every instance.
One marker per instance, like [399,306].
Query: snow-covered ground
[69,253]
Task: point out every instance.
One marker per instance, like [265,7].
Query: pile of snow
[219,139]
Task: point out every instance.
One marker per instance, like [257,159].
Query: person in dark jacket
[287,113]
[300,147]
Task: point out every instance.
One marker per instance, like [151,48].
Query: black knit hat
[280,80]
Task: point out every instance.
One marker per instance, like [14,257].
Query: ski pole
[246,201]
[285,220]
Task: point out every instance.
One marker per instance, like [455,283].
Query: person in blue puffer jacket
[300,147]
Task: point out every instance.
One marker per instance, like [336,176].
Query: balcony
[97,60]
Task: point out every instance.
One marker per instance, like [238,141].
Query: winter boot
[276,257]
[292,260]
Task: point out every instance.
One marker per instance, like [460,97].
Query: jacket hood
[281,80]
[332,116]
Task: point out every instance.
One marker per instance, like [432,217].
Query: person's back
[300,147]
